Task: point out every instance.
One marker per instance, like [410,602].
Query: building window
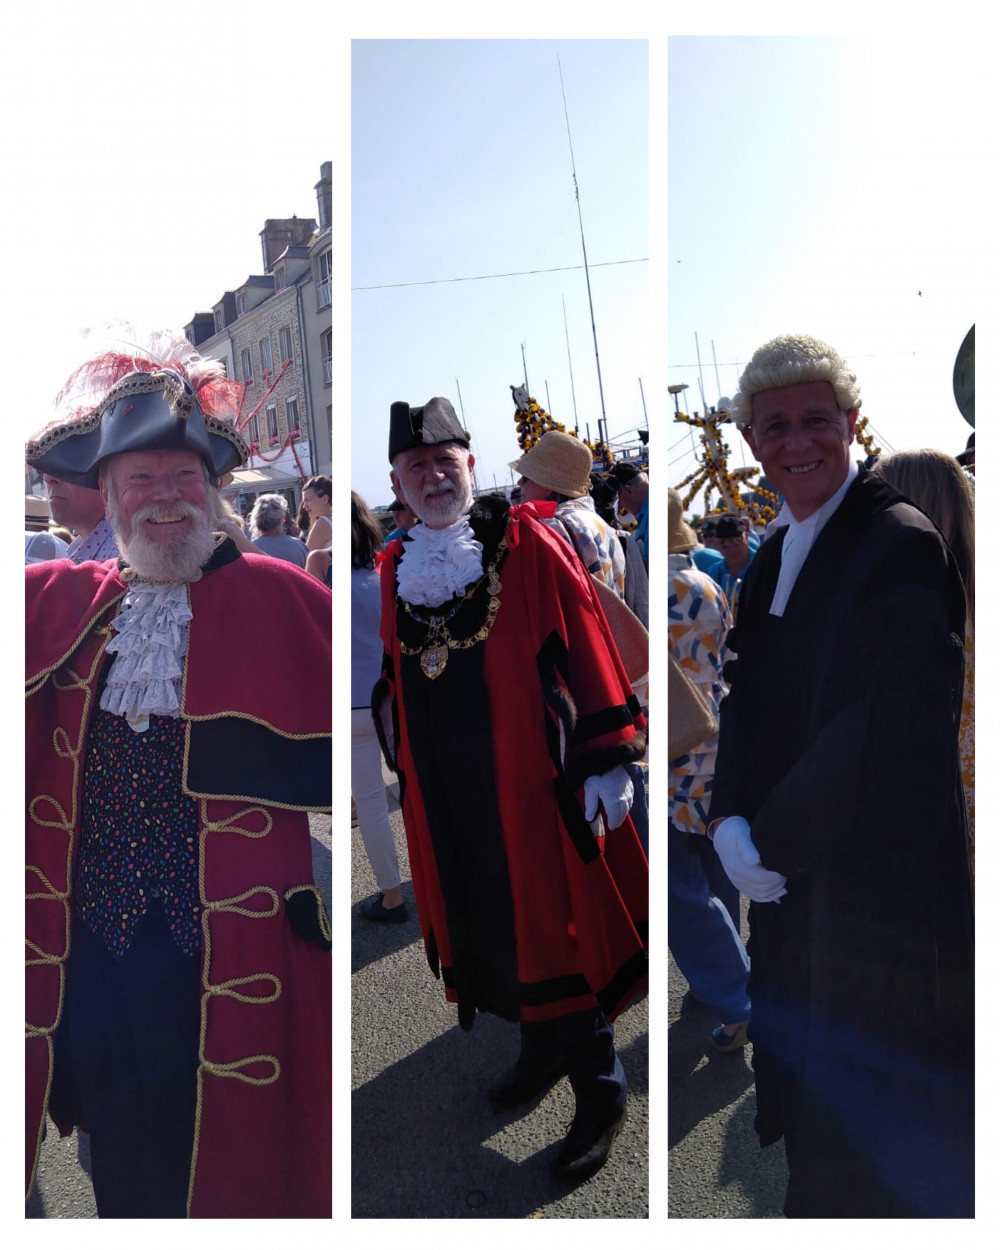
[265,357]
[292,419]
[241,303]
[220,319]
[327,342]
[272,426]
[285,343]
[247,360]
[325,279]
[255,431]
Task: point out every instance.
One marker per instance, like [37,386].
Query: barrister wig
[787,361]
[164,397]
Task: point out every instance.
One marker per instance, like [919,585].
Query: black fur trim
[554,990]
[380,693]
[604,722]
[307,915]
[628,975]
[576,824]
[594,763]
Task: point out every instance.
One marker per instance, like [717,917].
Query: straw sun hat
[559,462]
[680,535]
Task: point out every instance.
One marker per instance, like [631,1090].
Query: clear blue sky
[143,174]
[827,185]
[461,168]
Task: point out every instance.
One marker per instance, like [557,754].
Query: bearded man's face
[158,505]
[435,481]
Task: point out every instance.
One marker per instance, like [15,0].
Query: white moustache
[161,513]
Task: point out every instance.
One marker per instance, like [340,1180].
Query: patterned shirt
[594,540]
[698,621]
[99,544]
[139,833]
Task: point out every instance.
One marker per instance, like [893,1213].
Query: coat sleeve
[596,722]
[880,759]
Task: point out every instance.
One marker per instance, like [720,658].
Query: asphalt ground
[425,1142]
[715,1167]
[62,1186]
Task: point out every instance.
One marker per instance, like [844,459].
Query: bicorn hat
[559,462]
[435,422]
[146,407]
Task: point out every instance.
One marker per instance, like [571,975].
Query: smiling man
[178,976]
[837,808]
[514,721]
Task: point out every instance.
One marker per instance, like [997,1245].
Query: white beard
[174,561]
[444,508]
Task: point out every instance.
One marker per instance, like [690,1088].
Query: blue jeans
[639,812]
[703,915]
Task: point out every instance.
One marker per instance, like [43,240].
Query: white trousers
[368,788]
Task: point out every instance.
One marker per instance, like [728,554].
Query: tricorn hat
[435,422]
[175,406]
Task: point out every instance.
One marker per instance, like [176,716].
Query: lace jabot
[436,565]
[145,676]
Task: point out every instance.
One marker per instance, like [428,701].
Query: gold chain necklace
[433,651]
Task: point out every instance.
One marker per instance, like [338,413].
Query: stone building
[274,333]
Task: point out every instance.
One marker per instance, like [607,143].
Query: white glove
[614,792]
[741,860]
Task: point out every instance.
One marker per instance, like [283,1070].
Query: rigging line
[517,273]
[583,244]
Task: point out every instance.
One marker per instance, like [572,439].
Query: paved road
[63,1190]
[715,1168]
[424,1140]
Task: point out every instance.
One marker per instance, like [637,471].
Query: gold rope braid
[238,823]
[64,680]
[324,919]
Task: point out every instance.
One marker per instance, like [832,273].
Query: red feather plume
[218,395]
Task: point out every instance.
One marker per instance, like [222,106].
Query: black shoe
[374,909]
[521,1084]
[585,1151]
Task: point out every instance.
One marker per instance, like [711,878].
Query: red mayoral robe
[526,914]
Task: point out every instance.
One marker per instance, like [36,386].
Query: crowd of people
[178,998]
[178,703]
[832,784]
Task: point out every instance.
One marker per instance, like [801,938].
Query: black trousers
[585,1042]
[126,1059]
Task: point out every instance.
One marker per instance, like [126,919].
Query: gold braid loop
[230,904]
[226,989]
[233,1069]
[231,824]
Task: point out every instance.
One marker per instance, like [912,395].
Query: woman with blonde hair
[942,490]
